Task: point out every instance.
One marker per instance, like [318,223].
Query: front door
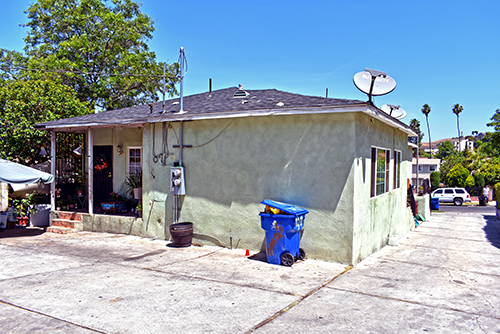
[103,173]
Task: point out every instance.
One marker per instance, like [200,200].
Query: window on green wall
[397,169]
[134,160]
[380,171]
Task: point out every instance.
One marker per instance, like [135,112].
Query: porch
[76,220]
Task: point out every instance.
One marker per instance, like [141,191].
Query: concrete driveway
[443,277]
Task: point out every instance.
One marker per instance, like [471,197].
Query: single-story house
[345,161]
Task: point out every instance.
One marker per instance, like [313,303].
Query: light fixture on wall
[119,150]
[43,151]
[78,150]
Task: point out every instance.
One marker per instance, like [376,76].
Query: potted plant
[115,204]
[79,191]
[59,204]
[24,207]
[138,209]
[133,184]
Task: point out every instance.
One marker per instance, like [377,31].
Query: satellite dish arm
[374,74]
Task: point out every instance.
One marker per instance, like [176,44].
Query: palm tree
[426,110]
[457,109]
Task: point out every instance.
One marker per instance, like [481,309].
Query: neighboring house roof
[221,104]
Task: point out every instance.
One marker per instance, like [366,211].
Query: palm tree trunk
[429,132]
[459,137]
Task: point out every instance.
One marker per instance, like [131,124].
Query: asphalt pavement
[442,277]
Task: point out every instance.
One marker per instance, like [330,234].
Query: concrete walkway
[443,277]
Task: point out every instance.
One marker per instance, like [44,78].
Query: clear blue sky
[439,52]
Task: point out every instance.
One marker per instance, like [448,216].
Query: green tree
[495,136]
[445,149]
[435,179]
[415,126]
[457,176]
[469,182]
[98,48]
[426,111]
[25,103]
[479,180]
[447,164]
[457,109]
[491,171]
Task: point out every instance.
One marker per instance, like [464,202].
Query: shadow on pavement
[492,230]
[21,232]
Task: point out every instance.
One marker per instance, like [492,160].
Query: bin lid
[287,208]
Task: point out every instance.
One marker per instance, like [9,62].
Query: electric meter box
[177,181]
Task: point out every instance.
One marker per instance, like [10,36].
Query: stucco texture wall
[124,137]
[377,218]
[305,160]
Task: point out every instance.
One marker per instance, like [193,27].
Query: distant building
[425,168]
[465,143]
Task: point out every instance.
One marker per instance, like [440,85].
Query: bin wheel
[302,255]
[287,259]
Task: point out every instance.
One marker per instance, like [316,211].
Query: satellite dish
[394,111]
[374,83]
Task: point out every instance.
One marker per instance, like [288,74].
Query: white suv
[451,195]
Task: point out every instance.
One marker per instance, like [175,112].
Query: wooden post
[90,160]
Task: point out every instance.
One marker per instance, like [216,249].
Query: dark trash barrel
[435,203]
[482,200]
[181,234]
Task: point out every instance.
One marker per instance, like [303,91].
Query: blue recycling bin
[283,232]
[435,203]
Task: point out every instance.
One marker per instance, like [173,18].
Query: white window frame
[128,156]
[397,169]
[376,173]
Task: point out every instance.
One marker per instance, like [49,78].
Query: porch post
[90,155]
[53,169]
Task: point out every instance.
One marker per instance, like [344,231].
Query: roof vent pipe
[210,85]
[240,93]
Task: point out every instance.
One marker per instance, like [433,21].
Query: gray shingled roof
[215,102]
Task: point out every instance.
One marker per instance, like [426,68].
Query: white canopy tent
[11,172]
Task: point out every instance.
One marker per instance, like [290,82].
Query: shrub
[457,176]
[469,182]
[479,180]
[497,192]
[435,179]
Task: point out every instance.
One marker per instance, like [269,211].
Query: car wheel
[458,201]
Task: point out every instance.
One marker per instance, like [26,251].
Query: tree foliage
[479,180]
[435,179]
[426,110]
[448,163]
[457,176]
[445,150]
[98,48]
[25,103]
[457,109]
[415,126]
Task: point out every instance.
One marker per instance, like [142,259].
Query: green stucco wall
[124,137]
[320,162]
[379,217]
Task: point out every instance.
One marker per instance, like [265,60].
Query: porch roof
[220,104]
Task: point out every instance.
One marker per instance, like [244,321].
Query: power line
[87,73]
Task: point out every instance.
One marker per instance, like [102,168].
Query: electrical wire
[211,140]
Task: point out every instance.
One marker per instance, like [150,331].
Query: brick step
[69,215]
[63,223]
[59,230]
